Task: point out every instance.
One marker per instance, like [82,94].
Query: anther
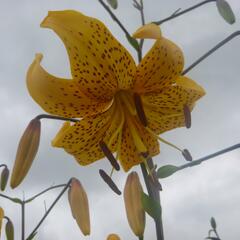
[140,110]
[109,155]
[109,182]
[187,116]
[187,155]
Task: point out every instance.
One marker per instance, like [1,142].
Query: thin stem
[3,165]
[115,18]
[23,219]
[50,208]
[143,23]
[179,13]
[10,198]
[44,191]
[211,51]
[216,233]
[41,116]
[203,159]
[154,194]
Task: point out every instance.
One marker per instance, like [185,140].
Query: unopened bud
[133,204]
[1,218]
[27,149]
[113,237]
[79,206]
[9,230]
[4,178]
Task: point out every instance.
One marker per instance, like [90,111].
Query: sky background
[190,197]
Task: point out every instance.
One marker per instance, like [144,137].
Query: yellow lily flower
[101,92]
[113,236]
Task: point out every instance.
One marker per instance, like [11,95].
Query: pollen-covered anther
[140,111]
[187,155]
[187,116]
[109,182]
[107,152]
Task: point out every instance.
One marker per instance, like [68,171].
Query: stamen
[184,152]
[136,138]
[109,182]
[140,110]
[187,155]
[109,155]
[187,115]
[127,101]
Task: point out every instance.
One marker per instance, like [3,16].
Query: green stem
[44,191]
[23,219]
[154,194]
[41,116]
[140,238]
[211,51]
[10,198]
[50,208]
[203,159]
[179,13]
[115,18]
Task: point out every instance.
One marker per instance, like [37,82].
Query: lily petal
[82,139]
[164,110]
[159,68]
[58,96]
[148,31]
[99,63]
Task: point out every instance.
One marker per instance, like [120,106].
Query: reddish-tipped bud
[133,204]
[1,218]
[113,237]
[27,149]
[4,178]
[79,206]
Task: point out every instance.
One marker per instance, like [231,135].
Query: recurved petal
[159,68]
[57,96]
[99,63]
[165,110]
[148,31]
[82,139]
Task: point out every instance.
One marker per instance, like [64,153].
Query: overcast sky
[190,197]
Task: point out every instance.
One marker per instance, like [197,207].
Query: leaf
[166,171]
[226,11]
[17,200]
[113,3]
[213,223]
[151,206]
[9,229]
[32,236]
[133,42]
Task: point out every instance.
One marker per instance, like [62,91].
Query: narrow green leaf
[166,171]
[226,11]
[4,178]
[133,42]
[151,206]
[113,3]
[9,230]
[31,237]
[213,223]
[17,200]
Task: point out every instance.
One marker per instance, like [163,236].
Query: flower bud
[79,206]
[133,204]
[4,178]
[113,237]
[9,229]
[1,218]
[27,149]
